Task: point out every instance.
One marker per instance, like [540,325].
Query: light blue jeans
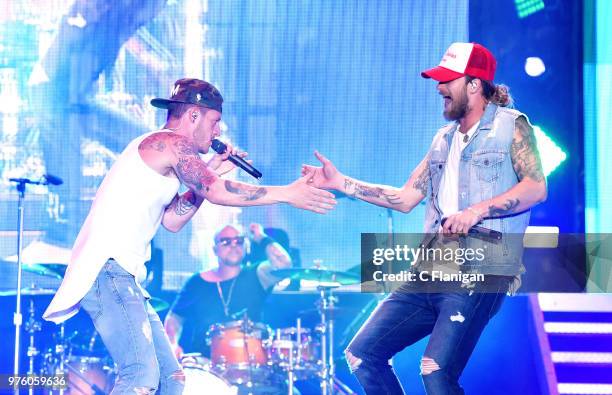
[133,334]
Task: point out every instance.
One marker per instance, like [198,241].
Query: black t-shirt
[200,306]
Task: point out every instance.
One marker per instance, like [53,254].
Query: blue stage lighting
[550,153]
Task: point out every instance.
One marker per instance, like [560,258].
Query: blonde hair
[496,94]
[501,96]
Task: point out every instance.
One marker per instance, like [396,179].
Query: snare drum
[303,349]
[237,350]
[199,379]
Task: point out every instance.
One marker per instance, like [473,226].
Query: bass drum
[238,350]
[200,380]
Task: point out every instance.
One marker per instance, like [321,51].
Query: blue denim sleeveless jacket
[485,171]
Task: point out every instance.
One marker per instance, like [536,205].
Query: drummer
[216,296]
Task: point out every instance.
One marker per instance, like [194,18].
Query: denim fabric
[455,321]
[133,334]
[485,171]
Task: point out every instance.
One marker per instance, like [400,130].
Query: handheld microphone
[220,148]
[481,231]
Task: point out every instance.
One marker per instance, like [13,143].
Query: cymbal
[159,304]
[56,270]
[30,291]
[320,275]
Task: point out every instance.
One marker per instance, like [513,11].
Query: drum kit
[246,357]
[251,358]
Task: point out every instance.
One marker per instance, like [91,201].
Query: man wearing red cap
[138,194]
[482,169]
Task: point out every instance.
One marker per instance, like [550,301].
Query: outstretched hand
[301,194]
[326,177]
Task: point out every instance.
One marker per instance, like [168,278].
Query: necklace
[224,302]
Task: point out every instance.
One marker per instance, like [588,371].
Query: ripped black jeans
[454,319]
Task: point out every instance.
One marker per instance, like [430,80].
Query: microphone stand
[17,317]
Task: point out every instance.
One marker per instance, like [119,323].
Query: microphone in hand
[221,148]
[481,231]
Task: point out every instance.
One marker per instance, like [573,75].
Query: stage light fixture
[534,66]
[524,8]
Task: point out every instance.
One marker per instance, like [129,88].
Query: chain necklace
[229,296]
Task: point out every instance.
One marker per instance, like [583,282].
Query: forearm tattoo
[524,151]
[508,207]
[248,193]
[422,181]
[184,203]
[355,189]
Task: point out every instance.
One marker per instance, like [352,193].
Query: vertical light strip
[603,89]
[597,71]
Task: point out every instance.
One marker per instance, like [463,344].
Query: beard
[458,107]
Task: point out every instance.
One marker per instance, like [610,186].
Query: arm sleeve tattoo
[191,169]
[524,152]
[194,173]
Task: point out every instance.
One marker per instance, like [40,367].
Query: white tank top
[124,217]
[448,195]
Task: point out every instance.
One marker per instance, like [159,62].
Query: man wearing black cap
[483,168]
[137,195]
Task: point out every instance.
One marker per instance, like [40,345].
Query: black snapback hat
[192,91]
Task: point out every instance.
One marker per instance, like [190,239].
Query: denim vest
[485,171]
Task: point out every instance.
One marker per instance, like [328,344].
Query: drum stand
[32,326]
[326,304]
[290,374]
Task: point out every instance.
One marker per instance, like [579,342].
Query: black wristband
[266,241]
